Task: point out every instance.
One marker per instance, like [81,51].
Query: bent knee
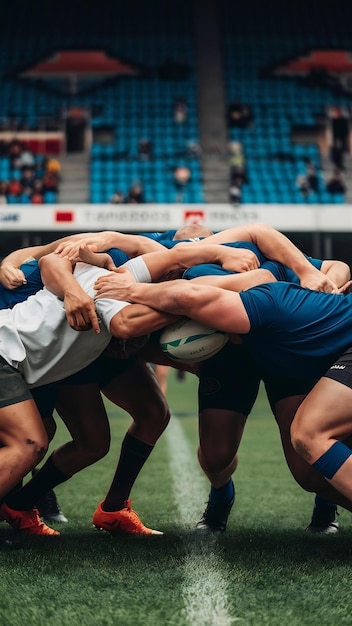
[36,448]
[306,478]
[213,463]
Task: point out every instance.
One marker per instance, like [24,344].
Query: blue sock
[226,493]
[322,502]
[331,461]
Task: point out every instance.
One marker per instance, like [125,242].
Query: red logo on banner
[194,217]
[64,216]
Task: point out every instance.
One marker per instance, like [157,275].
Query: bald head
[192,231]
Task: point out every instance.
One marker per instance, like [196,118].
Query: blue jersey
[212,269]
[279,271]
[10,297]
[168,235]
[296,332]
[167,240]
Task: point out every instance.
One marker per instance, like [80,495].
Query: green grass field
[265,570]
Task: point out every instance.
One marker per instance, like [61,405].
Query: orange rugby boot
[28,522]
[125,521]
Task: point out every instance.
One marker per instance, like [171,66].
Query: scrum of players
[288,317]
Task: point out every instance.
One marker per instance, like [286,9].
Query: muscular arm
[57,277]
[137,320]
[200,302]
[11,276]
[277,247]
[237,282]
[188,255]
[132,245]
[338,271]
[131,321]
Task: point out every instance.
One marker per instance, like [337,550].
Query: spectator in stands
[15,152]
[237,162]
[239,115]
[117,198]
[193,150]
[182,176]
[27,159]
[340,123]
[50,181]
[336,185]
[136,193]
[235,191]
[302,185]
[337,154]
[38,185]
[53,166]
[40,167]
[15,188]
[180,110]
[3,192]
[27,179]
[37,198]
[312,176]
[145,150]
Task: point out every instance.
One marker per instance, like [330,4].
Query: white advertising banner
[160,217]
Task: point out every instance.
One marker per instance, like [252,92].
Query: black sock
[134,454]
[47,478]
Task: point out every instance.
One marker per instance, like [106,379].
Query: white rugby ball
[188,340]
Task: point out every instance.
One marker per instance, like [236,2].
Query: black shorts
[280,388]
[45,399]
[13,388]
[101,371]
[341,370]
[229,380]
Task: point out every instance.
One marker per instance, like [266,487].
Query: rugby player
[142,293]
[221,425]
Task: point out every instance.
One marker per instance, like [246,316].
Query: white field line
[205,583]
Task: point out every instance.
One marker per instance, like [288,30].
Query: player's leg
[321,426]
[83,412]
[228,387]
[24,443]
[137,391]
[162,374]
[285,401]
[48,505]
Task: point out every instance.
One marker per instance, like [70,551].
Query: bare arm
[237,282]
[132,245]
[277,247]
[200,302]
[57,277]
[11,276]
[188,255]
[138,320]
[338,271]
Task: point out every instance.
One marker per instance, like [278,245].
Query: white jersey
[36,337]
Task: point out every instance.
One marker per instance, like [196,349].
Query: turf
[265,570]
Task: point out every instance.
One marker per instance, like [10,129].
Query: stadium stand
[287,109]
[158,45]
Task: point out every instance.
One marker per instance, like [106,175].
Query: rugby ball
[188,340]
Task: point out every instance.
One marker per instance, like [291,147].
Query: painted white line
[205,587]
